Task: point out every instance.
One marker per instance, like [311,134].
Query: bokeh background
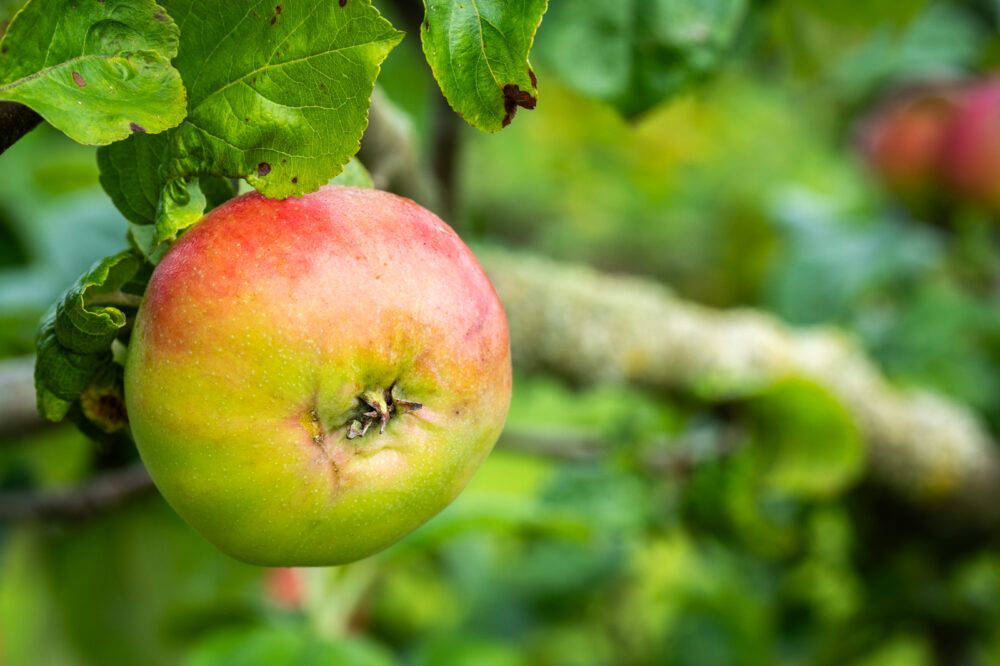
[796,162]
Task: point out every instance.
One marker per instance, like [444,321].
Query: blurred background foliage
[716,152]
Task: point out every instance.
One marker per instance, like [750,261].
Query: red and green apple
[311,379]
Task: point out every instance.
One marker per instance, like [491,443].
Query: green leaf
[74,342]
[354,175]
[98,71]
[636,53]
[278,94]
[806,440]
[478,51]
[130,175]
[181,205]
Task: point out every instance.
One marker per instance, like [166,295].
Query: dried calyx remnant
[379,406]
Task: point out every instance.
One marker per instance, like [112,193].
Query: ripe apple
[972,156]
[904,140]
[311,379]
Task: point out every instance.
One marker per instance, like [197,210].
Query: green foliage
[152,591]
[478,50]
[858,47]
[128,174]
[260,105]
[181,205]
[55,222]
[98,71]
[354,175]
[875,13]
[637,53]
[695,530]
[74,342]
[805,439]
[283,646]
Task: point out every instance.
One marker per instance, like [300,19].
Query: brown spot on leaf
[277,13]
[79,80]
[514,97]
[295,180]
[534,79]
[343,3]
[263,169]
[161,17]
[137,128]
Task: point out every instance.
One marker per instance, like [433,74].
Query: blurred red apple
[904,141]
[286,588]
[972,157]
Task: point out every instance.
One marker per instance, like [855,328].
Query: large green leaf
[478,50]
[98,71]
[74,342]
[635,53]
[278,94]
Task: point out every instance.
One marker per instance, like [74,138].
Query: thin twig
[445,148]
[102,492]
[390,154]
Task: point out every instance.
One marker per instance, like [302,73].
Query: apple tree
[693,474]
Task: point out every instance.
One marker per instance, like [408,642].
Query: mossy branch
[595,328]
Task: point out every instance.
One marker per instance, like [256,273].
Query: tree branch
[100,493]
[16,120]
[445,149]
[17,396]
[594,328]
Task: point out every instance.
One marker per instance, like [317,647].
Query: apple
[309,380]
[285,588]
[972,156]
[904,140]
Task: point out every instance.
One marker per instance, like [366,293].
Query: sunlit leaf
[98,71]
[478,50]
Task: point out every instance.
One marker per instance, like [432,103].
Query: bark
[16,120]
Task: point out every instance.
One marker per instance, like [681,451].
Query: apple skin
[972,154]
[258,334]
[904,141]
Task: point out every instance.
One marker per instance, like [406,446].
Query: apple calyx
[380,406]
